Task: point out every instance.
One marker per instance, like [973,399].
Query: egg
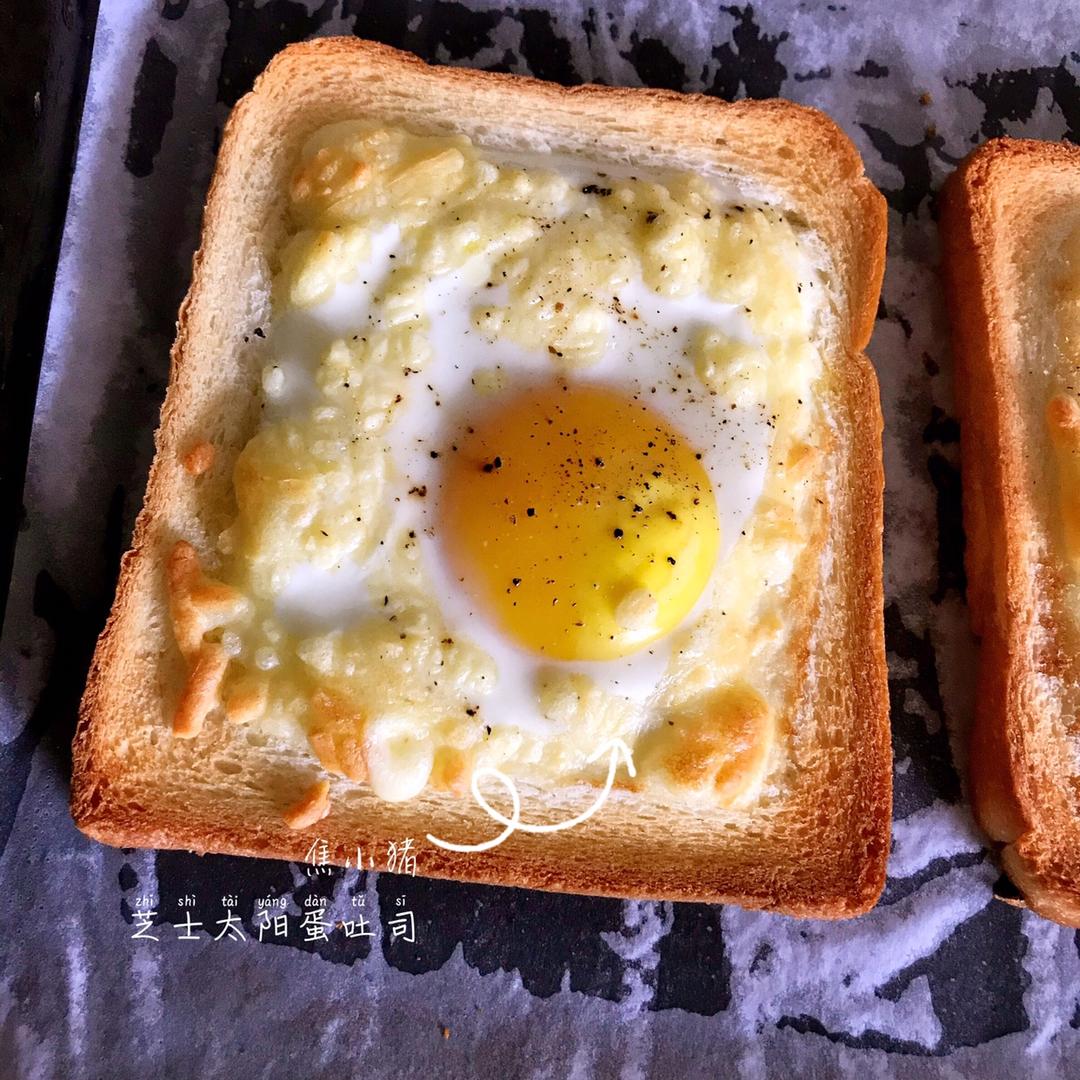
[579,518]
[519,429]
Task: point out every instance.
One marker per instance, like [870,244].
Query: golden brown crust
[246,701]
[332,738]
[311,807]
[199,458]
[452,770]
[822,857]
[723,744]
[201,693]
[197,603]
[991,210]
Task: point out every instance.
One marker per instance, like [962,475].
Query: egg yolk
[579,519]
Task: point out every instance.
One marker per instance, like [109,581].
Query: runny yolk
[579,519]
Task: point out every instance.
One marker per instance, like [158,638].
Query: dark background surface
[42,86]
[971,983]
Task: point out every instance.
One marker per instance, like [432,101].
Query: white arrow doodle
[512,824]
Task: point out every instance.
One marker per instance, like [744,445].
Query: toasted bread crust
[822,857]
[990,209]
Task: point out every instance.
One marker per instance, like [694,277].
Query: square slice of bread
[1006,213]
[822,850]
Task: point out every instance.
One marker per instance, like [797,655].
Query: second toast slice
[1011,231]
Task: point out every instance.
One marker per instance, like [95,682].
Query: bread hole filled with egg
[536,470]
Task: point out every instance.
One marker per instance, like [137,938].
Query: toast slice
[821,849]
[1007,218]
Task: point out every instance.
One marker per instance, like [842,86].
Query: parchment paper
[941,979]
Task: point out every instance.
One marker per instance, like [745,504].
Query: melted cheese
[422,278]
